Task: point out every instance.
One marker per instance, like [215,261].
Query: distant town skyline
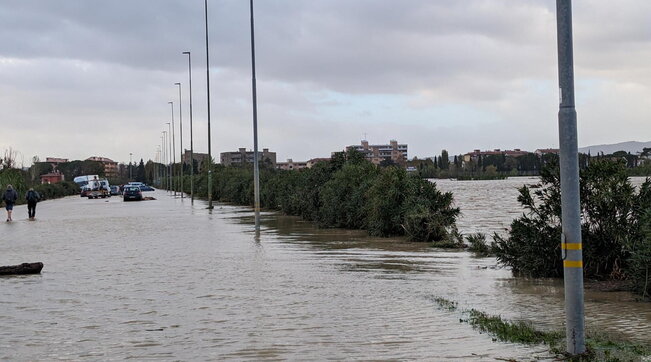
[94,78]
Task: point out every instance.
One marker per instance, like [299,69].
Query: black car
[131,193]
[115,190]
[146,188]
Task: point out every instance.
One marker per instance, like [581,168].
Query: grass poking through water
[600,347]
[516,332]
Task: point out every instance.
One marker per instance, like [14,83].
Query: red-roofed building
[544,151]
[314,161]
[52,178]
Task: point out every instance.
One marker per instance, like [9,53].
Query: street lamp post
[571,243]
[170,171]
[158,162]
[166,166]
[210,206]
[130,167]
[173,146]
[256,170]
[162,161]
[181,136]
[191,142]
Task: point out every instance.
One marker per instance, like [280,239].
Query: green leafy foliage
[347,192]
[639,267]
[21,182]
[478,245]
[612,214]
[599,346]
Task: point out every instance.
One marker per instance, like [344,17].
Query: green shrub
[639,267]
[428,213]
[611,211]
[478,245]
[386,198]
[59,189]
[343,197]
[348,192]
[21,182]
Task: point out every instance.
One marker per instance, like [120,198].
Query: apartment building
[377,153]
[292,165]
[110,166]
[243,156]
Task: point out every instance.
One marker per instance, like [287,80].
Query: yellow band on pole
[572,246]
[573,264]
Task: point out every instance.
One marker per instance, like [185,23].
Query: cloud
[437,74]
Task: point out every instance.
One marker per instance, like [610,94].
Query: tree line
[501,165]
[347,192]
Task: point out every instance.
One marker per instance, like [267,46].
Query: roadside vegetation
[600,346]
[22,181]
[346,192]
[478,245]
[616,228]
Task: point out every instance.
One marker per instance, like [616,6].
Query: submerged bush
[59,189]
[611,212]
[348,192]
[478,245]
[639,267]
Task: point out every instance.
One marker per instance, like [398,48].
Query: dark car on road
[115,190]
[146,188]
[131,193]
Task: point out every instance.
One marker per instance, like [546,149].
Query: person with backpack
[32,198]
[9,197]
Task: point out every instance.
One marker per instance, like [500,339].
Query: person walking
[9,197]
[32,198]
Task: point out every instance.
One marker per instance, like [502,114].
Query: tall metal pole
[570,201]
[158,164]
[130,167]
[210,206]
[191,142]
[256,170]
[165,160]
[170,171]
[181,136]
[173,147]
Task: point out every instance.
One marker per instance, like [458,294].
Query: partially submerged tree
[612,215]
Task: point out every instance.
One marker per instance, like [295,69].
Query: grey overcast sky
[89,77]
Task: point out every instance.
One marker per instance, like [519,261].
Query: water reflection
[169,280]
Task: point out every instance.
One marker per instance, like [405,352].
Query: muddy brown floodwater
[168,280]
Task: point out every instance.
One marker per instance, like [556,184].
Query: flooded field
[168,280]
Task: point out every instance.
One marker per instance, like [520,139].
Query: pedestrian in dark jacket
[9,197]
[32,198]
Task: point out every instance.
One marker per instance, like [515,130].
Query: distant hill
[631,146]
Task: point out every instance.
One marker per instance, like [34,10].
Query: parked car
[146,188]
[131,193]
[115,190]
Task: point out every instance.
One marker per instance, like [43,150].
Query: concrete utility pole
[256,169]
[173,146]
[210,206]
[181,136]
[571,243]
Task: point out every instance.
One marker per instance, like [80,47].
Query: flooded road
[168,280]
